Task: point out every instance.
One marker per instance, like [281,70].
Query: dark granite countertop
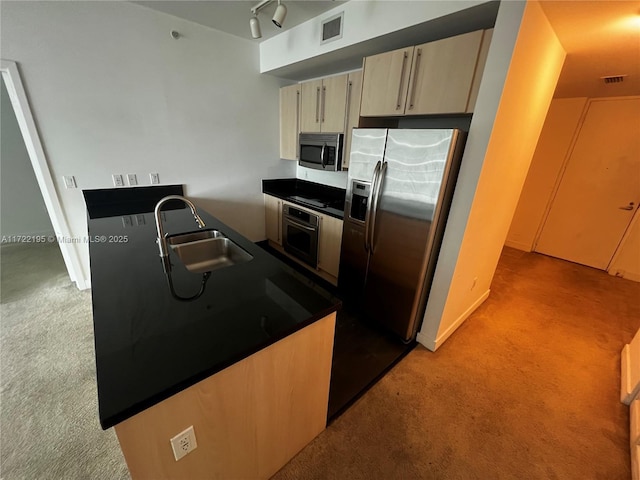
[150,345]
[314,196]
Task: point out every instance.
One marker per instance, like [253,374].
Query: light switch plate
[69,181]
[154,178]
[183,443]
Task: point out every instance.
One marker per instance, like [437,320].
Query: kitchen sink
[207,250]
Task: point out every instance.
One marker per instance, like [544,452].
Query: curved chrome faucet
[162,241]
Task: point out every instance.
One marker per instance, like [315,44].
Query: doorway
[599,190]
[31,138]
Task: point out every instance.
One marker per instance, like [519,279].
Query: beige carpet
[49,426]
[527,388]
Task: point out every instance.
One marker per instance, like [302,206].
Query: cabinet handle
[317,104]
[324,97]
[404,64]
[297,124]
[627,207]
[348,110]
[415,79]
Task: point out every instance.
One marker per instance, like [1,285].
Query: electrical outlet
[69,182]
[133,180]
[118,181]
[183,443]
[155,178]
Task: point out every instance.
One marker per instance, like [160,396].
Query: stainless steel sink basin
[179,238]
[207,250]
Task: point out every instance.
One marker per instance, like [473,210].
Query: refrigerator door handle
[367,215]
[376,200]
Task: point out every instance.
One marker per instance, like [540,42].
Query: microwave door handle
[367,215]
[322,156]
[376,201]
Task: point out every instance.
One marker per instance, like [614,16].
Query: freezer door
[367,149]
[417,161]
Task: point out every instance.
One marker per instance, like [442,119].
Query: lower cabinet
[329,244]
[249,419]
[273,218]
[329,237]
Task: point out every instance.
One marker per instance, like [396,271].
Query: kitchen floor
[362,352]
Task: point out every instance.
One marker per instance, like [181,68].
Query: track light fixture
[278,17]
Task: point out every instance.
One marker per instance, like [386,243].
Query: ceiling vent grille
[613,79]
[332,28]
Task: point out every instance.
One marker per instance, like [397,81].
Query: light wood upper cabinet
[273,218]
[310,104]
[385,83]
[289,121]
[433,78]
[323,105]
[354,93]
[329,244]
[442,74]
[477,76]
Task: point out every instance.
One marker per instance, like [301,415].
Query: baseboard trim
[525,247]
[433,345]
[625,375]
[634,277]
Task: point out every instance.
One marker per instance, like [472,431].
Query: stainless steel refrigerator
[399,191]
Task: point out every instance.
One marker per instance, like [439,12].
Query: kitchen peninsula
[242,354]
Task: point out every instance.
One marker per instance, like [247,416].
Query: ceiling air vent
[332,28]
[613,79]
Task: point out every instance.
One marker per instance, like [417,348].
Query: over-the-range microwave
[322,151]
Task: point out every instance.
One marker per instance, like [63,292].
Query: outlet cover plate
[183,443]
[118,181]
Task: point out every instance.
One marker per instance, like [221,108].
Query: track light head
[279,15]
[254,24]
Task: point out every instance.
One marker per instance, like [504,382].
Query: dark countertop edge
[296,181]
[130,412]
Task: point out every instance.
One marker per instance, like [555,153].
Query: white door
[600,188]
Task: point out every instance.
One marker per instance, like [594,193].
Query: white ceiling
[232,16]
[601,37]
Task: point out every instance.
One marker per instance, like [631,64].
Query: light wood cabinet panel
[333,104]
[289,121]
[477,76]
[323,105]
[249,419]
[354,94]
[442,74]
[329,244]
[273,218]
[385,82]
[310,106]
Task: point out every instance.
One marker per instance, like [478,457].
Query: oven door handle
[288,220]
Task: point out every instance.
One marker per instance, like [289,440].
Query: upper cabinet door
[310,106]
[385,83]
[354,91]
[289,121]
[333,101]
[442,74]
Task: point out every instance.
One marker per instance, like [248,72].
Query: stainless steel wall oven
[300,234]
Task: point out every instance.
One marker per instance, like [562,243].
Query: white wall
[512,104]
[553,146]
[22,210]
[112,92]
[363,20]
